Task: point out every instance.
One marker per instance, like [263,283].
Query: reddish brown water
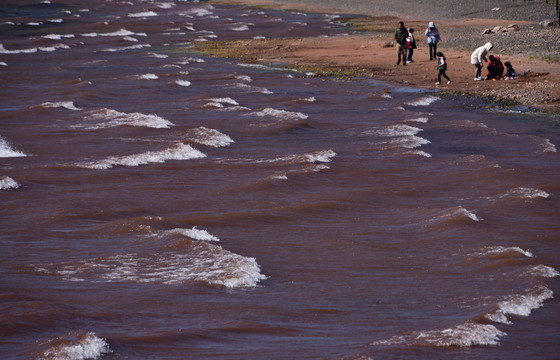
[158,204]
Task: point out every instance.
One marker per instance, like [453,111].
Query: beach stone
[498,29]
[487,31]
[388,44]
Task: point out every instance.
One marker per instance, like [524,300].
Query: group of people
[495,66]
[406,44]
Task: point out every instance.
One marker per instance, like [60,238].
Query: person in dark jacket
[400,36]
[495,68]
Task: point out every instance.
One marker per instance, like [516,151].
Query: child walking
[442,67]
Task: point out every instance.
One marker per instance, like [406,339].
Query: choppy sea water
[159,204]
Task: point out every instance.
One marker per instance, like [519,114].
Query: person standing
[410,45]
[478,57]
[442,68]
[433,39]
[400,36]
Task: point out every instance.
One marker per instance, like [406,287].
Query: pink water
[159,204]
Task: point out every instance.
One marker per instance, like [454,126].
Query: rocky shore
[532,48]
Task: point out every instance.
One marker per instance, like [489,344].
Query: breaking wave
[521,305]
[210,137]
[75,345]
[424,101]
[107,118]
[7,183]
[64,104]
[177,152]
[7,151]
[467,334]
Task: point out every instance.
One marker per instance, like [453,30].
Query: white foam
[54,47]
[64,104]
[7,183]
[419,153]
[254,89]
[244,78]
[157,56]
[2,63]
[310,99]
[227,100]
[21,51]
[394,131]
[241,27]
[143,14]
[408,142]
[148,77]
[424,101]
[421,119]
[199,261]
[527,193]
[183,83]
[57,36]
[76,346]
[463,335]
[471,214]
[202,11]
[196,234]
[544,271]
[130,38]
[121,32]
[457,212]
[210,137]
[521,305]
[166,5]
[177,152]
[547,146]
[320,156]
[493,250]
[280,114]
[7,151]
[124,48]
[111,118]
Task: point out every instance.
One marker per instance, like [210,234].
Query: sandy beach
[532,49]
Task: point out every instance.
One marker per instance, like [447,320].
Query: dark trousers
[433,51]
[410,53]
[442,73]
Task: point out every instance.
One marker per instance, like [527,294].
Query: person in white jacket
[478,57]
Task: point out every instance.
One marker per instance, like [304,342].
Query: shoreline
[365,54]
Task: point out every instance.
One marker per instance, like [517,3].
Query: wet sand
[365,53]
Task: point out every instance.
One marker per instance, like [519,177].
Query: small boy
[510,72]
[442,67]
